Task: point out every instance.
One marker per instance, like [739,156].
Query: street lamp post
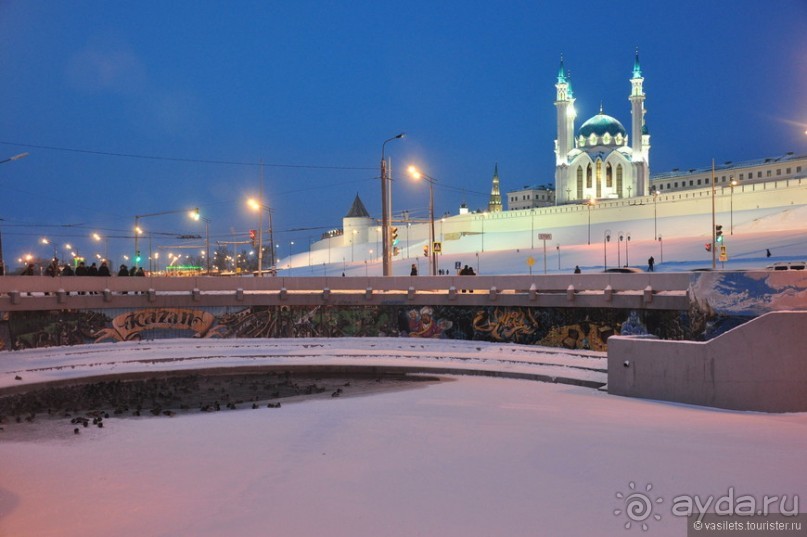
[655,213]
[589,204]
[606,238]
[197,216]
[627,243]
[431,180]
[621,236]
[386,208]
[732,184]
[257,205]
[15,157]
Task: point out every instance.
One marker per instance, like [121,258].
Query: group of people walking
[54,269]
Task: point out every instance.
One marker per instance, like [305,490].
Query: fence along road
[658,291]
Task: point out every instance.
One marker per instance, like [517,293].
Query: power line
[179,159]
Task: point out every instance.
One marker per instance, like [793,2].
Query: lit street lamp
[386,208]
[431,180]
[197,216]
[15,157]
[256,205]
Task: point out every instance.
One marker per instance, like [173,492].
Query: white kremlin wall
[644,218]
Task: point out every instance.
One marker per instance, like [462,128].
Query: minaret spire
[637,69]
[495,203]
[564,143]
[640,143]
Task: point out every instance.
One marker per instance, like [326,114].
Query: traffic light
[394,236]
[708,246]
[718,233]
[252,235]
[137,257]
[426,250]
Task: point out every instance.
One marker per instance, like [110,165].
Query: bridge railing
[611,290]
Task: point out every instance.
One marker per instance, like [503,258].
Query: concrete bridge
[651,291]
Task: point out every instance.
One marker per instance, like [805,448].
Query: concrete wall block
[736,370]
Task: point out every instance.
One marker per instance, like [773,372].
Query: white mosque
[600,160]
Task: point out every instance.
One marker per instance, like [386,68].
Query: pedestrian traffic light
[426,250]
[718,233]
[708,246]
[394,236]
[252,234]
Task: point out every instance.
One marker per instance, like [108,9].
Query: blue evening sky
[141,107]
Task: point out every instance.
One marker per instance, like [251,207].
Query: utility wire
[178,159]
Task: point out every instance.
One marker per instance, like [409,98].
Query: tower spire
[495,203]
[561,71]
[637,69]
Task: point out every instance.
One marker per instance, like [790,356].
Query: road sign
[530,261]
[457,265]
[544,236]
[438,247]
[724,256]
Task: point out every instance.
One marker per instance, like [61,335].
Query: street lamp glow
[138,230]
[96,236]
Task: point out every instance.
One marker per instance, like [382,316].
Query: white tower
[564,102]
[641,138]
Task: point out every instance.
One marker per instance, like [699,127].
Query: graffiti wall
[571,328]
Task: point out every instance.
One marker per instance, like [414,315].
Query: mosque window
[588,176]
[619,179]
[699,181]
[606,138]
[582,141]
[592,140]
[798,169]
[618,139]
[759,175]
[676,184]
[579,182]
[768,173]
[609,180]
[787,171]
[741,177]
[778,171]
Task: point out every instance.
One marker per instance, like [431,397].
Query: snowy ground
[467,456]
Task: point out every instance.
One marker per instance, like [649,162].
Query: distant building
[787,166]
[529,197]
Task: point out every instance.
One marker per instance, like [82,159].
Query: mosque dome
[600,125]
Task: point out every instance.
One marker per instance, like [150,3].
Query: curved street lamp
[258,206]
[417,174]
[386,208]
